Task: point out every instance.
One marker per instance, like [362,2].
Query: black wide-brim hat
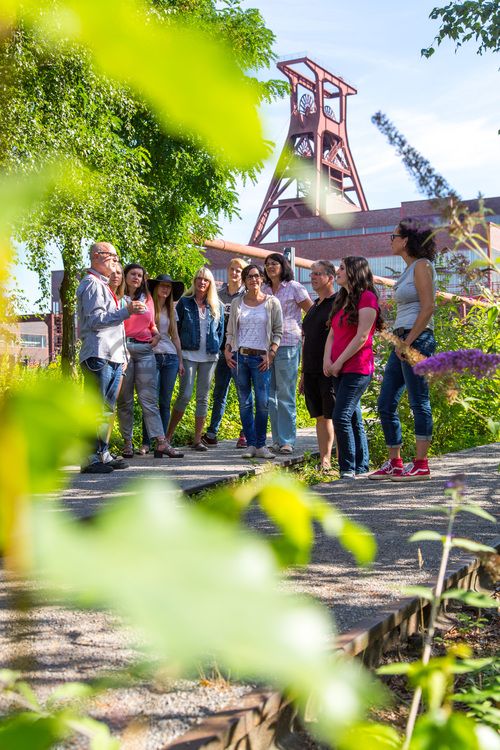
[177,286]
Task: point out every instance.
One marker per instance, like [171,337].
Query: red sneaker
[392,468]
[241,442]
[415,471]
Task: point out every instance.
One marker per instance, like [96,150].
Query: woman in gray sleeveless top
[415,294]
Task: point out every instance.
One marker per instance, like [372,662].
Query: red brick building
[366,233]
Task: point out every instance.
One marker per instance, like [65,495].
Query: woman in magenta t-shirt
[349,359]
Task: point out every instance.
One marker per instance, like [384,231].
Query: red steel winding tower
[316,161]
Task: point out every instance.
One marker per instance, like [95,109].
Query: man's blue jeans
[348,422]
[106,376]
[167,367]
[399,375]
[222,381]
[282,403]
[248,374]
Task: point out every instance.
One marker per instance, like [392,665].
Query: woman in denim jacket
[415,294]
[201,329]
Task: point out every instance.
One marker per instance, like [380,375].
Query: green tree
[151,193]
[461,22]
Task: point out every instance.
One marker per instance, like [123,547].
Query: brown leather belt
[251,352]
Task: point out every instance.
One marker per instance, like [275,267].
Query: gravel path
[394,512]
[51,644]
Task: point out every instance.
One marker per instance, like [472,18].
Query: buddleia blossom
[471,361]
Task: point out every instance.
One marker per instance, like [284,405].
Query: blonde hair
[169,307]
[237,262]
[212,297]
[120,289]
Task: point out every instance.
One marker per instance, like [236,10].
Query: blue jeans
[248,374]
[106,376]
[399,375]
[222,381]
[282,404]
[348,422]
[167,367]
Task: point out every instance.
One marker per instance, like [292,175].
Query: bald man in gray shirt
[103,353]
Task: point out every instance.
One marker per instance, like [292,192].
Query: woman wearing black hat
[168,354]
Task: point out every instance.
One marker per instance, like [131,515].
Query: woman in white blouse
[254,332]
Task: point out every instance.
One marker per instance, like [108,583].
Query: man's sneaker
[241,442]
[97,468]
[392,468]
[264,453]
[208,439]
[251,452]
[415,471]
[117,463]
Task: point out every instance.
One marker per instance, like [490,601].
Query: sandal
[128,450]
[199,447]
[165,449]
[143,450]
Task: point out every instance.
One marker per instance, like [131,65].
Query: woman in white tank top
[415,294]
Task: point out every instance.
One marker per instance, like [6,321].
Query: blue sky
[448,107]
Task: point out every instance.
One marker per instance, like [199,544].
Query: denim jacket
[188,325]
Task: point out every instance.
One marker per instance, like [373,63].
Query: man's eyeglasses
[395,235]
[108,255]
[317,273]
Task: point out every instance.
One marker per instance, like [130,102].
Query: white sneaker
[250,452]
[264,453]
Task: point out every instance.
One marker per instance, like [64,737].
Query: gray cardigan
[274,322]
[101,323]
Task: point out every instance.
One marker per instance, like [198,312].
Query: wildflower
[473,361]
[456,482]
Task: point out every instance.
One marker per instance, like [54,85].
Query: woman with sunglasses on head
[415,295]
[294,300]
[349,360]
[142,335]
[254,332]
[165,291]
[200,324]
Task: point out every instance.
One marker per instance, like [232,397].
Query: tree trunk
[71,255]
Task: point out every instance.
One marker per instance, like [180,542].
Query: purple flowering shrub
[475,362]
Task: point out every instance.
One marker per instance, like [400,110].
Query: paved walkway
[66,645]
[196,471]
[393,512]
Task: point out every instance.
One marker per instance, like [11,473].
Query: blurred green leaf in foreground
[199,588]
[176,67]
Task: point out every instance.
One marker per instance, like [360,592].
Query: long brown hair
[360,279]
[169,307]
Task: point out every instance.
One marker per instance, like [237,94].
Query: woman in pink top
[349,359]
[142,335]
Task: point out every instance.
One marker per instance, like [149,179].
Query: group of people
[256,331]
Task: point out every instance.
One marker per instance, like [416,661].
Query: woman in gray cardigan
[254,332]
